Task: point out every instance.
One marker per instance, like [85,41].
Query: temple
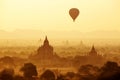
[93,52]
[46,56]
[45,51]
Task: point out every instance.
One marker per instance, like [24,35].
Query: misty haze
[59,40]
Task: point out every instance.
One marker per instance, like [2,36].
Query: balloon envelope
[74,12]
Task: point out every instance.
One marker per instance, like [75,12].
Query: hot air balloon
[74,12]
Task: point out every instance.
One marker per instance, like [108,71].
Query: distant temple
[45,56]
[93,52]
[94,57]
[46,50]
[44,53]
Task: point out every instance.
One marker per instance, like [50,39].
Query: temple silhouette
[93,52]
[46,50]
[45,55]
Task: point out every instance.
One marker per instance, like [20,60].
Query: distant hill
[36,34]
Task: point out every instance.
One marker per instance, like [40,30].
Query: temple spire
[93,48]
[93,51]
[46,42]
[46,38]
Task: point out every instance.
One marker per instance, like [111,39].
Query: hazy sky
[54,15]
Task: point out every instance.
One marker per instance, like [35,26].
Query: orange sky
[54,15]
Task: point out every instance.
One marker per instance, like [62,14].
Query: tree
[109,71]
[47,75]
[60,77]
[88,69]
[70,74]
[29,70]
[18,77]
[88,72]
[7,74]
